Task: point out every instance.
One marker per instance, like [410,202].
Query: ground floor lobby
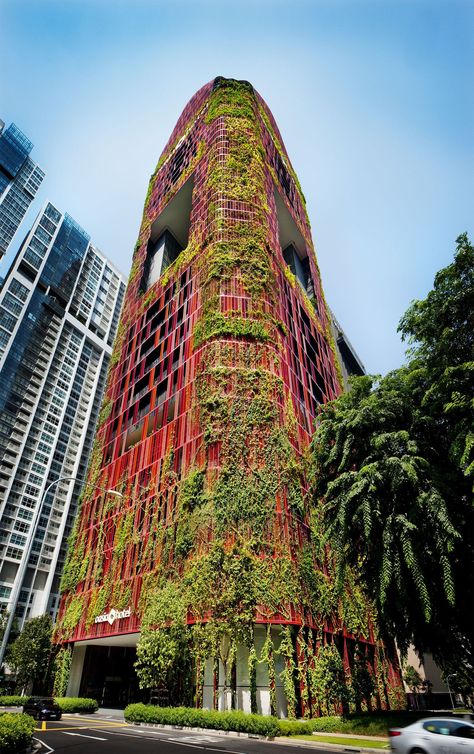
[103,669]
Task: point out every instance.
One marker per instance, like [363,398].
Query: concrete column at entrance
[77,666]
[243,687]
[208,690]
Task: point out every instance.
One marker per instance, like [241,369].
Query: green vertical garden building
[207,582]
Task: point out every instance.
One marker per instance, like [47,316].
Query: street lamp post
[451,675]
[26,557]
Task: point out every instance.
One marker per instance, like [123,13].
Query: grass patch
[366,724]
[364,743]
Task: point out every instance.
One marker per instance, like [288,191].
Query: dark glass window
[283,175]
[463,731]
[14,149]
[298,267]
[161,254]
[4,181]
[64,261]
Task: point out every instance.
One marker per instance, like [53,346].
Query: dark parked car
[42,708]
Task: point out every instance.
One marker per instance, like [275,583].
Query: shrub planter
[16,732]
[76,704]
[199,719]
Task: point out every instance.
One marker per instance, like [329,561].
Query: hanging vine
[252,668]
[286,649]
[62,671]
[267,656]
[302,672]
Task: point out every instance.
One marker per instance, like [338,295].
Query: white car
[434,735]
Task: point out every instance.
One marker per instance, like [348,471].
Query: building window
[161,254]
[17,539]
[18,289]
[299,267]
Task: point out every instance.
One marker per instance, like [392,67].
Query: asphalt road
[77,735]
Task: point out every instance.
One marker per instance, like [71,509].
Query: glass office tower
[20,179]
[59,310]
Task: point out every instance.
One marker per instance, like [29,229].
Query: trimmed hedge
[16,732]
[76,704]
[67,703]
[12,701]
[294,728]
[240,722]
[329,724]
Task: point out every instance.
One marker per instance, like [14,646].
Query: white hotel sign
[113,615]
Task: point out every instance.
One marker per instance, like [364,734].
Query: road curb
[32,749]
[211,731]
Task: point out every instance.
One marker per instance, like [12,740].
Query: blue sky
[374,100]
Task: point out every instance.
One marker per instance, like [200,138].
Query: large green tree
[392,461]
[29,655]
[440,330]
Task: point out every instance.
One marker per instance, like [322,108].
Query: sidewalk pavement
[115,714]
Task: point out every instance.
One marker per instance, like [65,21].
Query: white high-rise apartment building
[20,179]
[59,310]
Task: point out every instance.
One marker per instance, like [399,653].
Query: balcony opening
[133,436]
[152,358]
[144,406]
[293,246]
[141,386]
[161,391]
[283,175]
[169,235]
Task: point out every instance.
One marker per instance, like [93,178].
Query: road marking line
[135,734]
[83,727]
[81,735]
[94,720]
[48,748]
[198,739]
[139,734]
